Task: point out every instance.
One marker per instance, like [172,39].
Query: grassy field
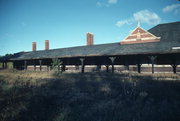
[49,96]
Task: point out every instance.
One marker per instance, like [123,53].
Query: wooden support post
[47,67]
[34,65]
[40,63]
[139,68]
[126,66]
[59,65]
[14,65]
[82,65]
[76,67]
[174,66]
[63,68]
[98,67]
[3,65]
[107,68]
[112,63]
[152,58]
[25,65]
[59,68]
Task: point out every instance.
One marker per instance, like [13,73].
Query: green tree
[56,64]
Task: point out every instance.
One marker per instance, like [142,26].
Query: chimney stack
[34,46]
[90,38]
[46,44]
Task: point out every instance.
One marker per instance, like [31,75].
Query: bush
[56,64]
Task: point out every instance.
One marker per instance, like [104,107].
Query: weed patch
[42,96]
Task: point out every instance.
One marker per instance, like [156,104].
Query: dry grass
[27,74]
[50,96]
[11,74]
[23,77]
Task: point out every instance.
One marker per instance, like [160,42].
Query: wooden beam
[34,65]
[25,65]
[126,63]
[139,64]
[152,59]
[59,65]
[107,68]
[82,64]
[76,67]
[112,63]
[3,66]
[63,68]
[40,63]
[98,67]
[174,66]
[47,67]
[139,68]
[14,67]
[126,66]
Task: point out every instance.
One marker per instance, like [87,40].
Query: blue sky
[66,22]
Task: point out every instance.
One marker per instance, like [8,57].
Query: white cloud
[123,22]
[99,4]
[106,3]
[143,16]
[170,8]
[112,1]
[146,16]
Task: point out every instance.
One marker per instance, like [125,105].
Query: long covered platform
[157,46]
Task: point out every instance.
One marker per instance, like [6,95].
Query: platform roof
[169,33]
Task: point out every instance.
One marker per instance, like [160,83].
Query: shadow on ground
[91,97]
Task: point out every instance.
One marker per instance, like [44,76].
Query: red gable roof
[140,35]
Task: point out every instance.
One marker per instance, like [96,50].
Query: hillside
[49,96]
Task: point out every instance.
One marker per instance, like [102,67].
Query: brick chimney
[34,46]
[46,44]
[90,38]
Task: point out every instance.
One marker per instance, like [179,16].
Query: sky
[65,22]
